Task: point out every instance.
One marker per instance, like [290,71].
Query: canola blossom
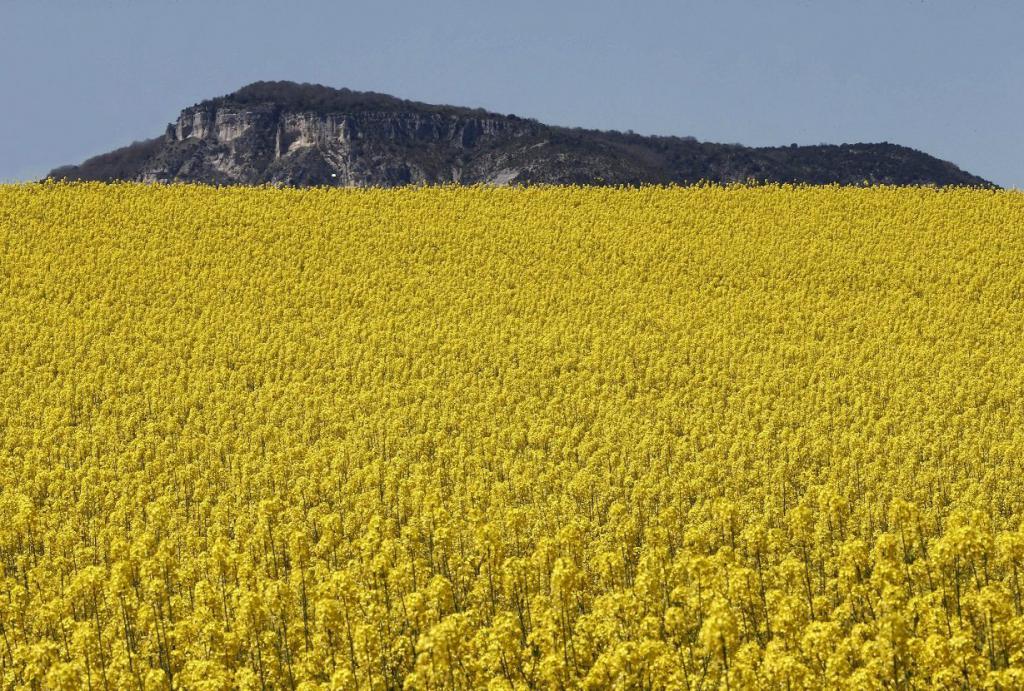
[462,438]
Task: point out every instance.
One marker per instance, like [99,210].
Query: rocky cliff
[300,134]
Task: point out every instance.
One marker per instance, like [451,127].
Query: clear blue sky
[82,77]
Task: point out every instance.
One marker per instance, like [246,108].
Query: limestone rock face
[256,143]
[300,134]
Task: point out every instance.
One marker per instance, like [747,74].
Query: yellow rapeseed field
[684,438]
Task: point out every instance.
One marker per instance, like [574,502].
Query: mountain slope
[303,134]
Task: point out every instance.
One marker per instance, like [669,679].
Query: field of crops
[507,438]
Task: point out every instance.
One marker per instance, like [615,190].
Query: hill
[305,134]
